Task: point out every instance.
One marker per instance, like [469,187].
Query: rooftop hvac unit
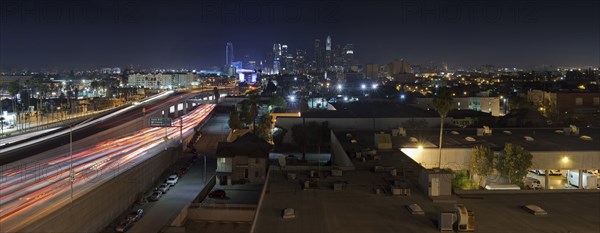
[446,221]
[465,219]
[487,130]
[574,130]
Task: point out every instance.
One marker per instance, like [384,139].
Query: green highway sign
[160,122]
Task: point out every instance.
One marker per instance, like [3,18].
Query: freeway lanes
[40,187]
[153,105]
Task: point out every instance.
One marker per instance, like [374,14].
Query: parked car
[538,172]
[217,193]
[172,180]
[155,196]
[555,173]
[532,183]
[124,226]
[135,215]
[163,188]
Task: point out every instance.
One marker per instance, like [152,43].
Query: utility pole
[71,173]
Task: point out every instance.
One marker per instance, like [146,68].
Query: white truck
[532,183]
[590,181]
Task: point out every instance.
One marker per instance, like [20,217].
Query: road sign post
[160,122]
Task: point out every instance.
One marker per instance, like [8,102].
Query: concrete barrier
[524,191]
[92,211]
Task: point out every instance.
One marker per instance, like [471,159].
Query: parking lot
[556,180]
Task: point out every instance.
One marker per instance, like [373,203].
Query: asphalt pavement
[159,214]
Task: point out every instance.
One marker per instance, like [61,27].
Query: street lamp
[71,172]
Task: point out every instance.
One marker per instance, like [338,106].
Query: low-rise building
[244,159]
[477,103]
[161,80]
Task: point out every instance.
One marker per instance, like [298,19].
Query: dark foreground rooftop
[359,209]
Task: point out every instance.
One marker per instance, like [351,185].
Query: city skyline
[148,34]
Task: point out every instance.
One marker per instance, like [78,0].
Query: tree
[311,134]
[271,87]
[234,120]
[298,136]
[278,135]
[94,86]
[264,128]
[1,125]
[253,111]
[443,104]
[303,105]
[514,162]
[277,102]
[460,180]
[216,93]
[13,89]
[482,161]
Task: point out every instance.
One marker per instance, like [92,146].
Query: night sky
[193,33]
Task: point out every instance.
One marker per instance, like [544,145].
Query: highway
[153,105]
[29,191]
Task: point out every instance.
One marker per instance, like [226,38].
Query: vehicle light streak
[33,187]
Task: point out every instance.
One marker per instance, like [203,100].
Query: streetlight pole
[72,174]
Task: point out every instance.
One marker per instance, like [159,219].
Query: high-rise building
[398,66]
[372,71]
[318,57]
[328,59]
[276,58]
[299,61]
[348,54]
[228,54]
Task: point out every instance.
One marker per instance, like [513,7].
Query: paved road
[160,213]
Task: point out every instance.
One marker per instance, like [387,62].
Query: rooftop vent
[470,139]
[529,139]
[585,137]
[399,132]
[484,131]
[572,130]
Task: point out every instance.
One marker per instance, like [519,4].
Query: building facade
[161,80]
[243,160]
[483,104]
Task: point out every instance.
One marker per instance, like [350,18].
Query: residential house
[243,160]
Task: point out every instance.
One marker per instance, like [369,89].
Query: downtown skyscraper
[228,54]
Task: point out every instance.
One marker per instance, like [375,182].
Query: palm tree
[1,125]
[254,107]
[13,89]
[443,103]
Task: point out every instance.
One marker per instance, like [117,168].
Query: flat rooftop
[545,139]
[370,109]
[359,209]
